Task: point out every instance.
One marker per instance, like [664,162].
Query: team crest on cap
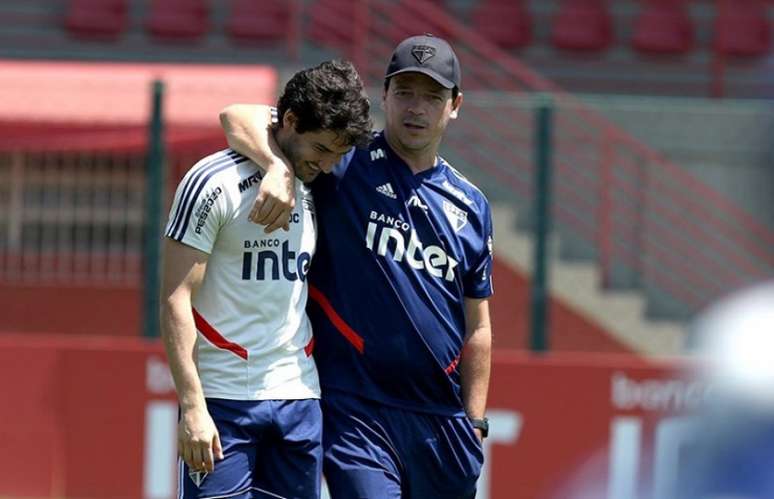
[422,53]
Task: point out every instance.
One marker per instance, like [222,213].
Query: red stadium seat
[331,23]
[178,19]
[742,28]
[259,20]
[663,27]
[583,25]
[507,23]
[400,25]
[96,18]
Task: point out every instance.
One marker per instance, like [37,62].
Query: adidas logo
[386,189]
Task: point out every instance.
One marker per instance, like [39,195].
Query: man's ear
[456,104]
[289,120]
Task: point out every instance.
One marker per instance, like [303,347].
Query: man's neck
[417,161]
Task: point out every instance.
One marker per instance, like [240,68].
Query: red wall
[70,310]
[72,421]
[78,419]
[117,312]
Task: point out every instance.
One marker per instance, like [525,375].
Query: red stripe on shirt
[215,337]
[355,339]
[451,367]
[309,348]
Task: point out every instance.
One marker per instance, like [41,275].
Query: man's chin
[415,145]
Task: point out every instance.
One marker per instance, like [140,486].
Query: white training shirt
[254,337]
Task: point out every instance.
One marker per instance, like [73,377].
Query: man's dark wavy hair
[329,97]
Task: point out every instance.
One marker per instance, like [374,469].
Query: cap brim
[432,74]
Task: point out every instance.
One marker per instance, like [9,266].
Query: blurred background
[625,146]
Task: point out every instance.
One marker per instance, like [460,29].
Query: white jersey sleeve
[201,203]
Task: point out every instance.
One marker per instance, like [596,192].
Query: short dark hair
[455,90]
[329,97]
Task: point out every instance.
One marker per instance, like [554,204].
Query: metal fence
[76,217]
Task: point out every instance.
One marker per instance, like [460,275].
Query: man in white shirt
[234,324]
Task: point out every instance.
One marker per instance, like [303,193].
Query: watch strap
[481,424]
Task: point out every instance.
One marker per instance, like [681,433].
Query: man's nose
[415,105]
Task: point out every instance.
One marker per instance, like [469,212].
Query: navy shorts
[271,448]
[373,451]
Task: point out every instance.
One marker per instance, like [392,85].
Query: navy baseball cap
[428,55]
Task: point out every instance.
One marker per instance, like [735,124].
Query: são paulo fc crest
[197,477]
[422,53]
[458,218]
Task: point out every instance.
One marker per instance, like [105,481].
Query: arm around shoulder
[248,132]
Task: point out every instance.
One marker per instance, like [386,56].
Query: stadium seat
[663,27]
[507,23]
[96,18]
[259,21]
[401,26]
[183,20]
[742,28]
[583,25]
[330,23]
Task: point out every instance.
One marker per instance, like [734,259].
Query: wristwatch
[481,424]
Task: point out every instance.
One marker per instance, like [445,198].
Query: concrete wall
[725,143]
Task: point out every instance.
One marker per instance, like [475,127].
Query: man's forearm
[475,365]
[178,332]
[247,132]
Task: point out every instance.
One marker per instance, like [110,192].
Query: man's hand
[479,434]
[198,440]
[276,198]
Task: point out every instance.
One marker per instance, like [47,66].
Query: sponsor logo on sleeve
[203,211]
[456,192]
[250,181]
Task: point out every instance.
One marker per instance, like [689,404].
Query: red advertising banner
[95,418]
[586,426]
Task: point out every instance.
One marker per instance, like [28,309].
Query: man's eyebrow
[322,146]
